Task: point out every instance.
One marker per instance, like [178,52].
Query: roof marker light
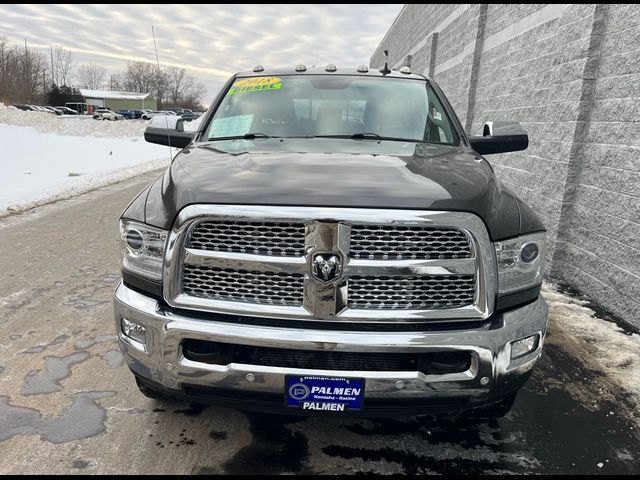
[301,68]
[258,68]
[363,69]
[331,68]
[405,70]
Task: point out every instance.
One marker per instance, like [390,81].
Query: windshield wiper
[363,135]
[246,136]
[373,136]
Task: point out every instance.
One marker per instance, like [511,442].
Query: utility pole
[52,73]
[44,86]
[27,70]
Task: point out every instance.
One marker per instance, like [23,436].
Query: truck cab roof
[371,72]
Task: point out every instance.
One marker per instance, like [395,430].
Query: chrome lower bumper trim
[161,359]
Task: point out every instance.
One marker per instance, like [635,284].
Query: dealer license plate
[324,393]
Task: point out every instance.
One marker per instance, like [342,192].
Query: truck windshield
[332,106]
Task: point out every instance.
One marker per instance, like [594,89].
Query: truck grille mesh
[269,288]
[254,260]
[411,293]
[407,242]
[259,238]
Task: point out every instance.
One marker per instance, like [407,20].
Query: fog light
[524,346]
[134,331]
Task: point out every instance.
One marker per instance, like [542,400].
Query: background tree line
[31,77]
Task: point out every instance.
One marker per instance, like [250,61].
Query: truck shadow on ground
[559,424]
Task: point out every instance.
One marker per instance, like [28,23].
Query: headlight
[142,249]
[520,262]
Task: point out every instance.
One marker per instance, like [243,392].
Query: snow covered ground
[612,350]
[44,158]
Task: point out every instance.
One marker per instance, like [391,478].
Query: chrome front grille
[408,242]
[395,265]
[412,293]
[268,288]
[279,239]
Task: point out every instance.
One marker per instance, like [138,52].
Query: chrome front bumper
[492,372]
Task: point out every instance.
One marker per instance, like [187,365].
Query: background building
[571,75]
[119,100]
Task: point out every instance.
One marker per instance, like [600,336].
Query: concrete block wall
[571,75]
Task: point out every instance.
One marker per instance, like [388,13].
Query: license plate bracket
[318,393]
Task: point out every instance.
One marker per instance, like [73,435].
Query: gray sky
[211,41]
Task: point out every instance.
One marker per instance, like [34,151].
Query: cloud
[211,41]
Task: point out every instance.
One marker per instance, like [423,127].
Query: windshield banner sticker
[257,84]
[237,125]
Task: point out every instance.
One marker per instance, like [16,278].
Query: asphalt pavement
[68,404]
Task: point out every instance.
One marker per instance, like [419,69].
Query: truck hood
[366,173]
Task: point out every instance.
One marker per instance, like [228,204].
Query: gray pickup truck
[331,241]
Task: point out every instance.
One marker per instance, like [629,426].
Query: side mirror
[168,130]
[500,137]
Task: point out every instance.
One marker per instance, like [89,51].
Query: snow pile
[614,351]
[39,168]
[78,125]
[193,125]
[45,157]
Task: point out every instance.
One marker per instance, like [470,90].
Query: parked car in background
[150,115]
[37,108]
[53,110]
[138,113]
[106,114]
[79,107]
[128,114]
[26,108]
[67,111]
[188,116]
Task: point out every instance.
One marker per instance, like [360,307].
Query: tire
[149,392]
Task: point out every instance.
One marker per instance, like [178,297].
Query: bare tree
[140,77]
[170,86]
[117,81]
[194,95]
[145,77]
[161,86]
[22,74]
[92,76]
[32,78]
[178,83]
[7,63]
[183,89]
[61,62]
